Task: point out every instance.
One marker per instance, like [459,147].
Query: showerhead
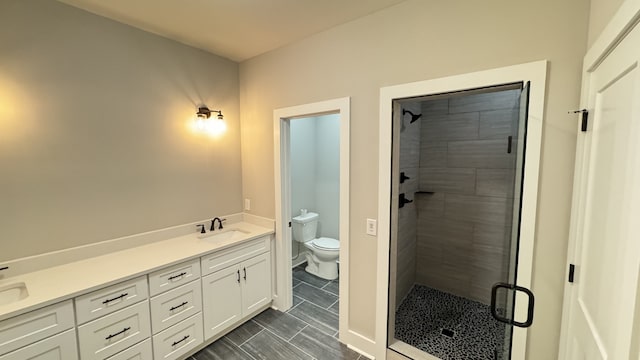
[414,117]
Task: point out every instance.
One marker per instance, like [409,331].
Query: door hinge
[289,223]
[572,271]
[585,118]
[509,142]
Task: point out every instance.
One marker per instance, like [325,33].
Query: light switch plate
[247,204]
[372,227]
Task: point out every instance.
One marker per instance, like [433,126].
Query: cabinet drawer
[178,339]
[173,276]
[175,305]
[34,326]
[233,255]
[105,301]
[58,347]
[115,332]
[140,351]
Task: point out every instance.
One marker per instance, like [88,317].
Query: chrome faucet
[213,223]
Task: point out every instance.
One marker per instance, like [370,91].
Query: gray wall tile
[448,180]
[429,206]
[495,182]
[484,101]
[478,209]
[462,232]
[498,124]
[433,154]
[435,107]
[481,154]
[452,127]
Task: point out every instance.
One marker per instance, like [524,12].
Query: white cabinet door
[256,283]
[603,313]
[221,300]
[58,347]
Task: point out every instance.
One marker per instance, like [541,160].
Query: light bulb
[216,126]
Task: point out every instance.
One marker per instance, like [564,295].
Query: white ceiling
[235,29]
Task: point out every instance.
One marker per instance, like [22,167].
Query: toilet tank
[304,227]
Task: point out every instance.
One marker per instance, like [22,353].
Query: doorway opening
[457,210]
[311,145]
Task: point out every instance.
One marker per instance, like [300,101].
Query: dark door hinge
[509,141]
[289,223]
[585,120]
[572,271]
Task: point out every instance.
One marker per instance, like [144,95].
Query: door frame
[536,72]
[282,172]
[627,16]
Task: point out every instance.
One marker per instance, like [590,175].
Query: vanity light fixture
[215,126]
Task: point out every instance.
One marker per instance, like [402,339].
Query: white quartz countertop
[55,284]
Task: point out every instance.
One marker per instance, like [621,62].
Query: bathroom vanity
[163,300]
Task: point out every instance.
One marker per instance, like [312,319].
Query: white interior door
[602,303]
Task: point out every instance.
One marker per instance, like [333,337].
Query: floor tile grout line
[245,351]
[254,335]
[288,342]
[310,284]
[298,304]
[330,306]
[313,326]
[296,334]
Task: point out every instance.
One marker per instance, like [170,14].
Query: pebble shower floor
[448,326]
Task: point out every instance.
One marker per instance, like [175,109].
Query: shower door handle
[494,310]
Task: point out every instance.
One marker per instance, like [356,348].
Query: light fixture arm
[205,113]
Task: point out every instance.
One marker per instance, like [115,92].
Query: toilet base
[327,270]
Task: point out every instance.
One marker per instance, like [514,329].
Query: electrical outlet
[247,204]
[372,227]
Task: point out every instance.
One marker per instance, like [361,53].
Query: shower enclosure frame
[536,73]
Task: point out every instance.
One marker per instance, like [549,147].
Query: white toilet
[323,252]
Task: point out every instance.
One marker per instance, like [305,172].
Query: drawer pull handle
[245,273]
[179,341]
[118,333]
[179,306]
[115,298]
[177,276]
[238,276]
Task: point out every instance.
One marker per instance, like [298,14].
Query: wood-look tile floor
[309,330]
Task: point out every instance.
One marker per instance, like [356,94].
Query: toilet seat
[324,243]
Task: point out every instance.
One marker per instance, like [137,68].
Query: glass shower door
[503,294]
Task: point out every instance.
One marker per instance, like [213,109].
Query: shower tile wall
[407,215]
[464,225]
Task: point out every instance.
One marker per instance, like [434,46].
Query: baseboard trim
[359,343]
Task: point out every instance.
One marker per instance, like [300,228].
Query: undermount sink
[222,235]
[12,293]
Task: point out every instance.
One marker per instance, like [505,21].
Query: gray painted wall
[95,138]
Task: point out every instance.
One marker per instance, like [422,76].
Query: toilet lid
[324,243]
